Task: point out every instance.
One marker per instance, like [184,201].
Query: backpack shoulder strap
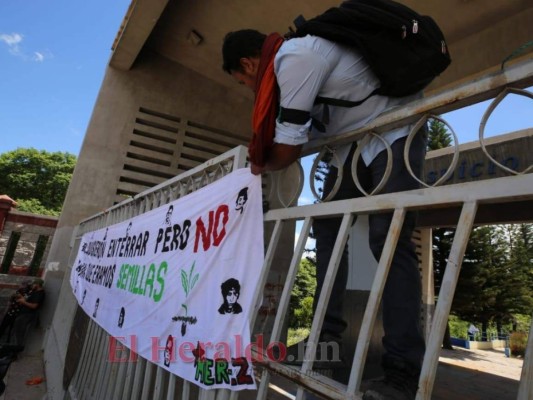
[345,103]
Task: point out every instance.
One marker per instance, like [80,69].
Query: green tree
[516,280]
[37,180]
[303,291]
[496,281]
[439,136]
[482,271]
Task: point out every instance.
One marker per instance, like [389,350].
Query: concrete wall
[476,345]
[493,344]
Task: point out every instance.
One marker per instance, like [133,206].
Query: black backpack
[404,49]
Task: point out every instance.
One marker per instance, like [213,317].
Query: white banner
[176,284]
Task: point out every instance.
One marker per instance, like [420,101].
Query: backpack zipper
[414,28]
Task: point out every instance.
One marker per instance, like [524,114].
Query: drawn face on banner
[231,290]
[96,305]
[121,317]
[242,198]
[232,296]
[128,229]
[168,350]
[169,215]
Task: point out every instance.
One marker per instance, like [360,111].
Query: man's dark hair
[38,282]
[231,283]
[240,44]
[243,193]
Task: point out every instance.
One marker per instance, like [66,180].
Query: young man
[13,309]
[304,69]
[29,307]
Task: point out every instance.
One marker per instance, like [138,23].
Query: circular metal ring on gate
[497,100]
[281,175]
[314,169]
[409,140]
[356,156]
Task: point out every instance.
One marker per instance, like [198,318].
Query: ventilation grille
[162,146]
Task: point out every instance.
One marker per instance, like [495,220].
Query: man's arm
[34,300]
[300,73]
[22,301]
[280,156]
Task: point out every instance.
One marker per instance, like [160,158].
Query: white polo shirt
[311,66]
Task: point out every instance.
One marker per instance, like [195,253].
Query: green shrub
[301,303]
[458,327]
[523,322]
[304,315]
[518,344]
[297,335]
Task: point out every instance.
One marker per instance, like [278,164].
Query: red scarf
[266,102]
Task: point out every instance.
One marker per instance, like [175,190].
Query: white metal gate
[96,378]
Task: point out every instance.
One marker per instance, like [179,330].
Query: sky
[53,56]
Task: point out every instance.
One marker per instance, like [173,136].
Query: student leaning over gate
[302,69]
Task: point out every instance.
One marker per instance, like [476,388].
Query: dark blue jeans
[402,294]
[21,326]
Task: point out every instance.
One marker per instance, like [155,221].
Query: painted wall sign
[515,153]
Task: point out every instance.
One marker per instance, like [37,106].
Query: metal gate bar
[140,367]
[130,373]
[171,388]
[447,290]
[158,388]
[374,300]
[285,298]
[269,257]
[99,359]
[323,300]
[525,390]
[121,377]
[88,346]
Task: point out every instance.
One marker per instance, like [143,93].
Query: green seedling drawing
[188,281]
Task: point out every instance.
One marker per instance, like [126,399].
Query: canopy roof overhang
[480,34]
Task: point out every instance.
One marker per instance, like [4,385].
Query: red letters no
[214,229]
